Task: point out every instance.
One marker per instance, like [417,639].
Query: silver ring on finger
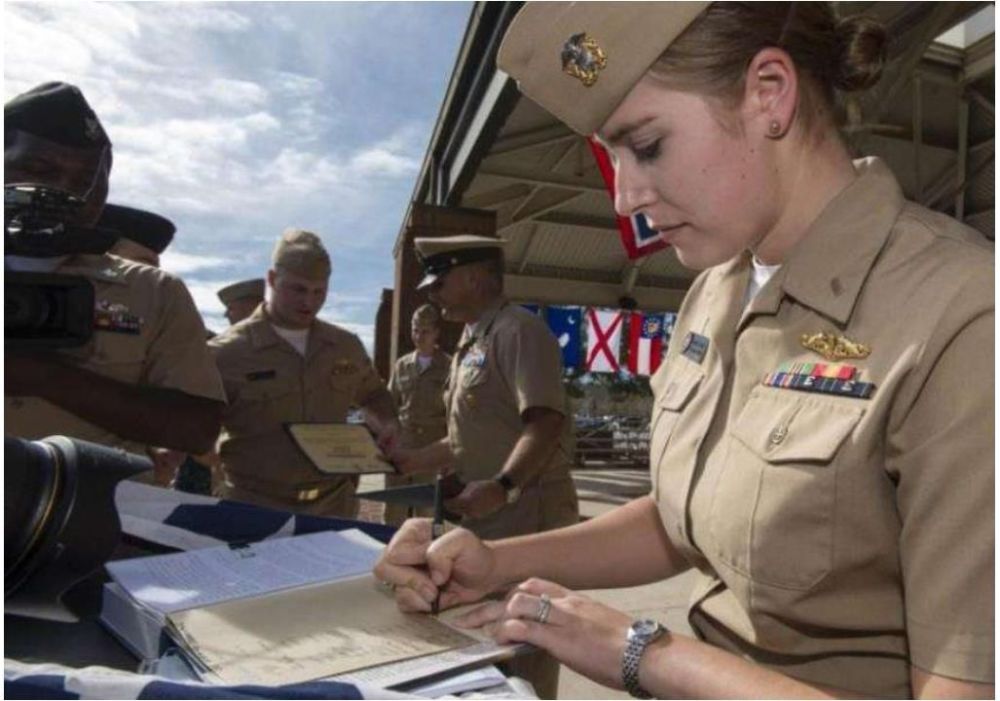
[544,609]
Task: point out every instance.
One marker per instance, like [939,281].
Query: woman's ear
[771,95]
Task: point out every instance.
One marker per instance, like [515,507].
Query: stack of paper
[283,611]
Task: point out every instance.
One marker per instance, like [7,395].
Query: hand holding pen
[437,528]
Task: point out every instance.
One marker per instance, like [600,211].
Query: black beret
[58,112]
[147,228]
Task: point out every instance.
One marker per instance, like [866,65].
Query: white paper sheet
[178,581]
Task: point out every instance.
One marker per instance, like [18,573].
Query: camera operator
[145,376]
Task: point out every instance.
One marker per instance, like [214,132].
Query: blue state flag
[565,323]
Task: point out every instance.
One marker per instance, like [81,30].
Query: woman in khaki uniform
[822,433]
[417,389]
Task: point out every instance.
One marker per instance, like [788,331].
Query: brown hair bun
[860,55]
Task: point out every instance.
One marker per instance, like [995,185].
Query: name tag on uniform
[116,318]
[261,375]
[695,346]
[823,378]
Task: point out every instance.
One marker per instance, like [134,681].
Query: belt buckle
[308,494]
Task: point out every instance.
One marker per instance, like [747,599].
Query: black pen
[437,528]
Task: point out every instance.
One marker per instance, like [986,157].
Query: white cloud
[179,263]
[193,16]
[236,120]
[382,161]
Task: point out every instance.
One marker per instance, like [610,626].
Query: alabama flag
[636,235]
[645,346]
[604,333]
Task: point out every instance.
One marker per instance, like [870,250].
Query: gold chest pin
[834,347]
[583,58]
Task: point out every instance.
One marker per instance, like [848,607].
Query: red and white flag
[636,235]
[604,333]
[645,343]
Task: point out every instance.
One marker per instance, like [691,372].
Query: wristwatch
[640,635]
[511,491]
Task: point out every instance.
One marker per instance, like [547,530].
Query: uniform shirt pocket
[265,402]
[670,403]
[774,505]
[118,356]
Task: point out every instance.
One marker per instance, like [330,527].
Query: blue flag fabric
[167,517]
[51,681]
[566,323]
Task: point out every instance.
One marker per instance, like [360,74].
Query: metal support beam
[545,179]
[547,290]
[963,157]
[918,137]
[526,256]
[532,137]
[491,198]
[985,104]
[583,220]
[525,211]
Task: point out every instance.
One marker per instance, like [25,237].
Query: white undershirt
[298,338]
[424,361]
[761,274]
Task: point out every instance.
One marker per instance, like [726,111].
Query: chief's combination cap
[302,253]
[58,112]
[146,228]
[240,290]
[579,60]
[439,255]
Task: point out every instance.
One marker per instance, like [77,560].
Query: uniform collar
[481,327]
[828,267]
[263,335]
[438,360]
[103,267]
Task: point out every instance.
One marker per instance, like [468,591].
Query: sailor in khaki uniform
[282,364]
[417,389]
[145,376]
[821,441]
[242,298]
[507,427]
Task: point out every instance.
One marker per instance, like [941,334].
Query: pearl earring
[774,128]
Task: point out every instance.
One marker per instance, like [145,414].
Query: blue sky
[236,120]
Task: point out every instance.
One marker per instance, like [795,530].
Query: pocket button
[777,436]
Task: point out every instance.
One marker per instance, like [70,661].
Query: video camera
[46,310]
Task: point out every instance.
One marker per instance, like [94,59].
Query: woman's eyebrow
[619,134]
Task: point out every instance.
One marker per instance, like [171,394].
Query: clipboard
[339,448]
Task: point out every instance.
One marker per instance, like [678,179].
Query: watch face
[645,628]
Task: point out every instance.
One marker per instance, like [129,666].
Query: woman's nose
[632,193]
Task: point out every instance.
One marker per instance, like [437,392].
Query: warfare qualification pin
[582,58]
[834,347]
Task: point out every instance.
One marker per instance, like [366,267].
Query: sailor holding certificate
[283,365]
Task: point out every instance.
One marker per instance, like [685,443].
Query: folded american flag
[174,519]
[51,681]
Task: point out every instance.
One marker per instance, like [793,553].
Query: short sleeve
[941,453]
[369,383]
[531,362]
[393,387]
[178,356]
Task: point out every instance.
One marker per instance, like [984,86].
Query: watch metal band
[640,635]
